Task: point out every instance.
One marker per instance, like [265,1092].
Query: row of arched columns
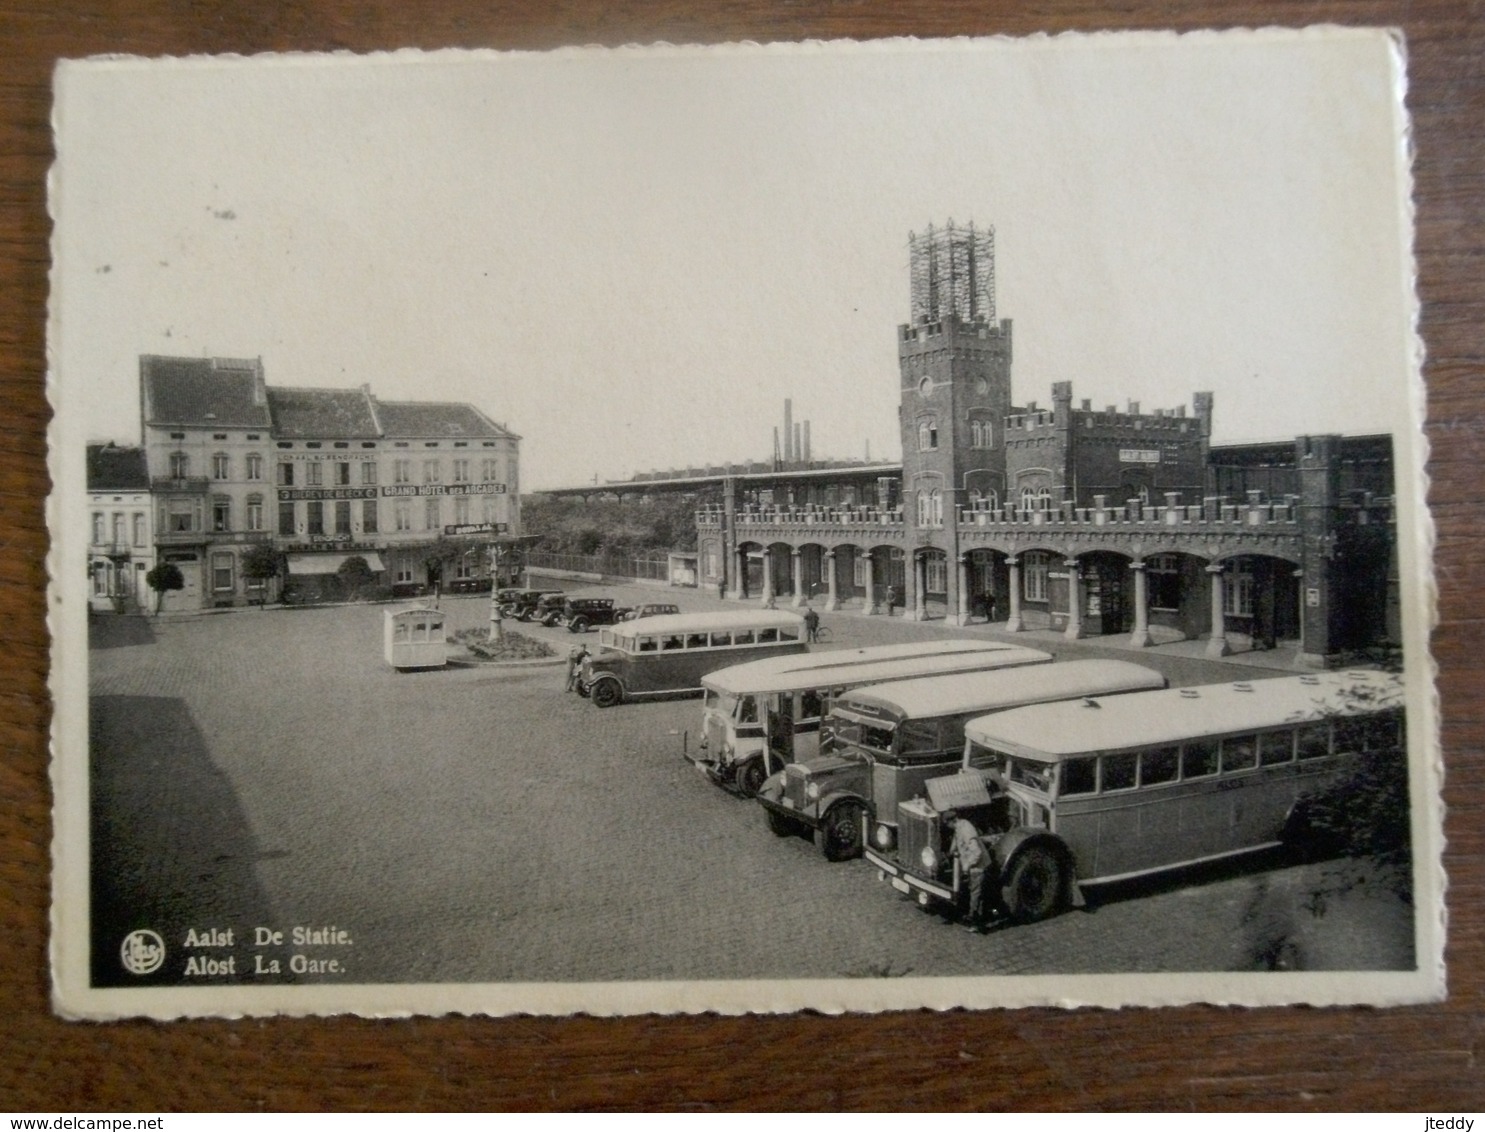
[794,575]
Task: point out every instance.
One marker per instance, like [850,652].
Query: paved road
[265,769]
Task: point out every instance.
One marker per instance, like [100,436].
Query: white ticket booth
[414,638]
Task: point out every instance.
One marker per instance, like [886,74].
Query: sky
[632,257]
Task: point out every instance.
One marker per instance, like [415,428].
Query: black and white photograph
[837,526]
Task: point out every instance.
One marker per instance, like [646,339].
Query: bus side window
[787,634]
[647,644]
[1119,770]
[721,640]
[766,636]
[919,736]
[742,637]
[810,706]
[668,643]
[1275,747]
[1159,764]
[1313,740]
[401,631]
[1079,776]
[696,641]
[1239,753]
[1199,759]
[747,711]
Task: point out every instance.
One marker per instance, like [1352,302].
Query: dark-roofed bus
[762,715]
[668,654]
[882,742]
[1100,790]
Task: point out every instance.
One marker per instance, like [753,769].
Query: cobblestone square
[266,770]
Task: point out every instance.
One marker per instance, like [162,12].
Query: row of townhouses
[229,462]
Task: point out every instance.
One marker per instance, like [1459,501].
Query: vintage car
[649,609]
[522,604]
[579,614]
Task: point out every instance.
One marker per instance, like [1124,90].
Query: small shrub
[511,646]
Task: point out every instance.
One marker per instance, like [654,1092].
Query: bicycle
[822,635]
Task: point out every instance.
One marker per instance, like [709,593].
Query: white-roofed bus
[668,654]
[1101,790]
[883,741]
[758,717]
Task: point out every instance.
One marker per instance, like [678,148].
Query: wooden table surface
[1421,1058]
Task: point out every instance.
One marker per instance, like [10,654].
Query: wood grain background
[1200,1057]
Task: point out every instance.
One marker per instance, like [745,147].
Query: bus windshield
[1032,775]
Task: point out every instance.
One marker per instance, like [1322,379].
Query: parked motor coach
[669,654]
[882,743]
[760,716]
[1104,789]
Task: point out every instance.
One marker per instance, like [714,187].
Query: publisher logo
[143,952]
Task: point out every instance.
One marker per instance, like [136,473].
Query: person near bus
[811,624]
[891,599]
[974,860]
[575,657]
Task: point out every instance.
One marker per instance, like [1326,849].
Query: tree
[260,563]
[164,576]
[355,574]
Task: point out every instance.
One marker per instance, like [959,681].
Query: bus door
[778,731]
[812,710]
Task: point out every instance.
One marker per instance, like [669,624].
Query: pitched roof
[203,391]
[435,419]
[311,413]
[111,468]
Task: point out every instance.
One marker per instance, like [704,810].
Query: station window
[937,575]
[1163,573]
[1237,591]
[927,435]
[1034,572]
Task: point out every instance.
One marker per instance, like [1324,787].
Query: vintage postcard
[838,526]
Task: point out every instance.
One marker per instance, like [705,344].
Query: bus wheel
[606,693]
[578,625]
[1036,888]
[840,832]
[749,778]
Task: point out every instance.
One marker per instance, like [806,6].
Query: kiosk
[414,638]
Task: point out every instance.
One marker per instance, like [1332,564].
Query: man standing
[974,862]
[575,657]
[891,599]
[811,624]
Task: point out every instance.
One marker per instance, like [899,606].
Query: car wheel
[606,693]
[1037,887]
[578,625]
[749,777]
[781,826]
[840,832]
